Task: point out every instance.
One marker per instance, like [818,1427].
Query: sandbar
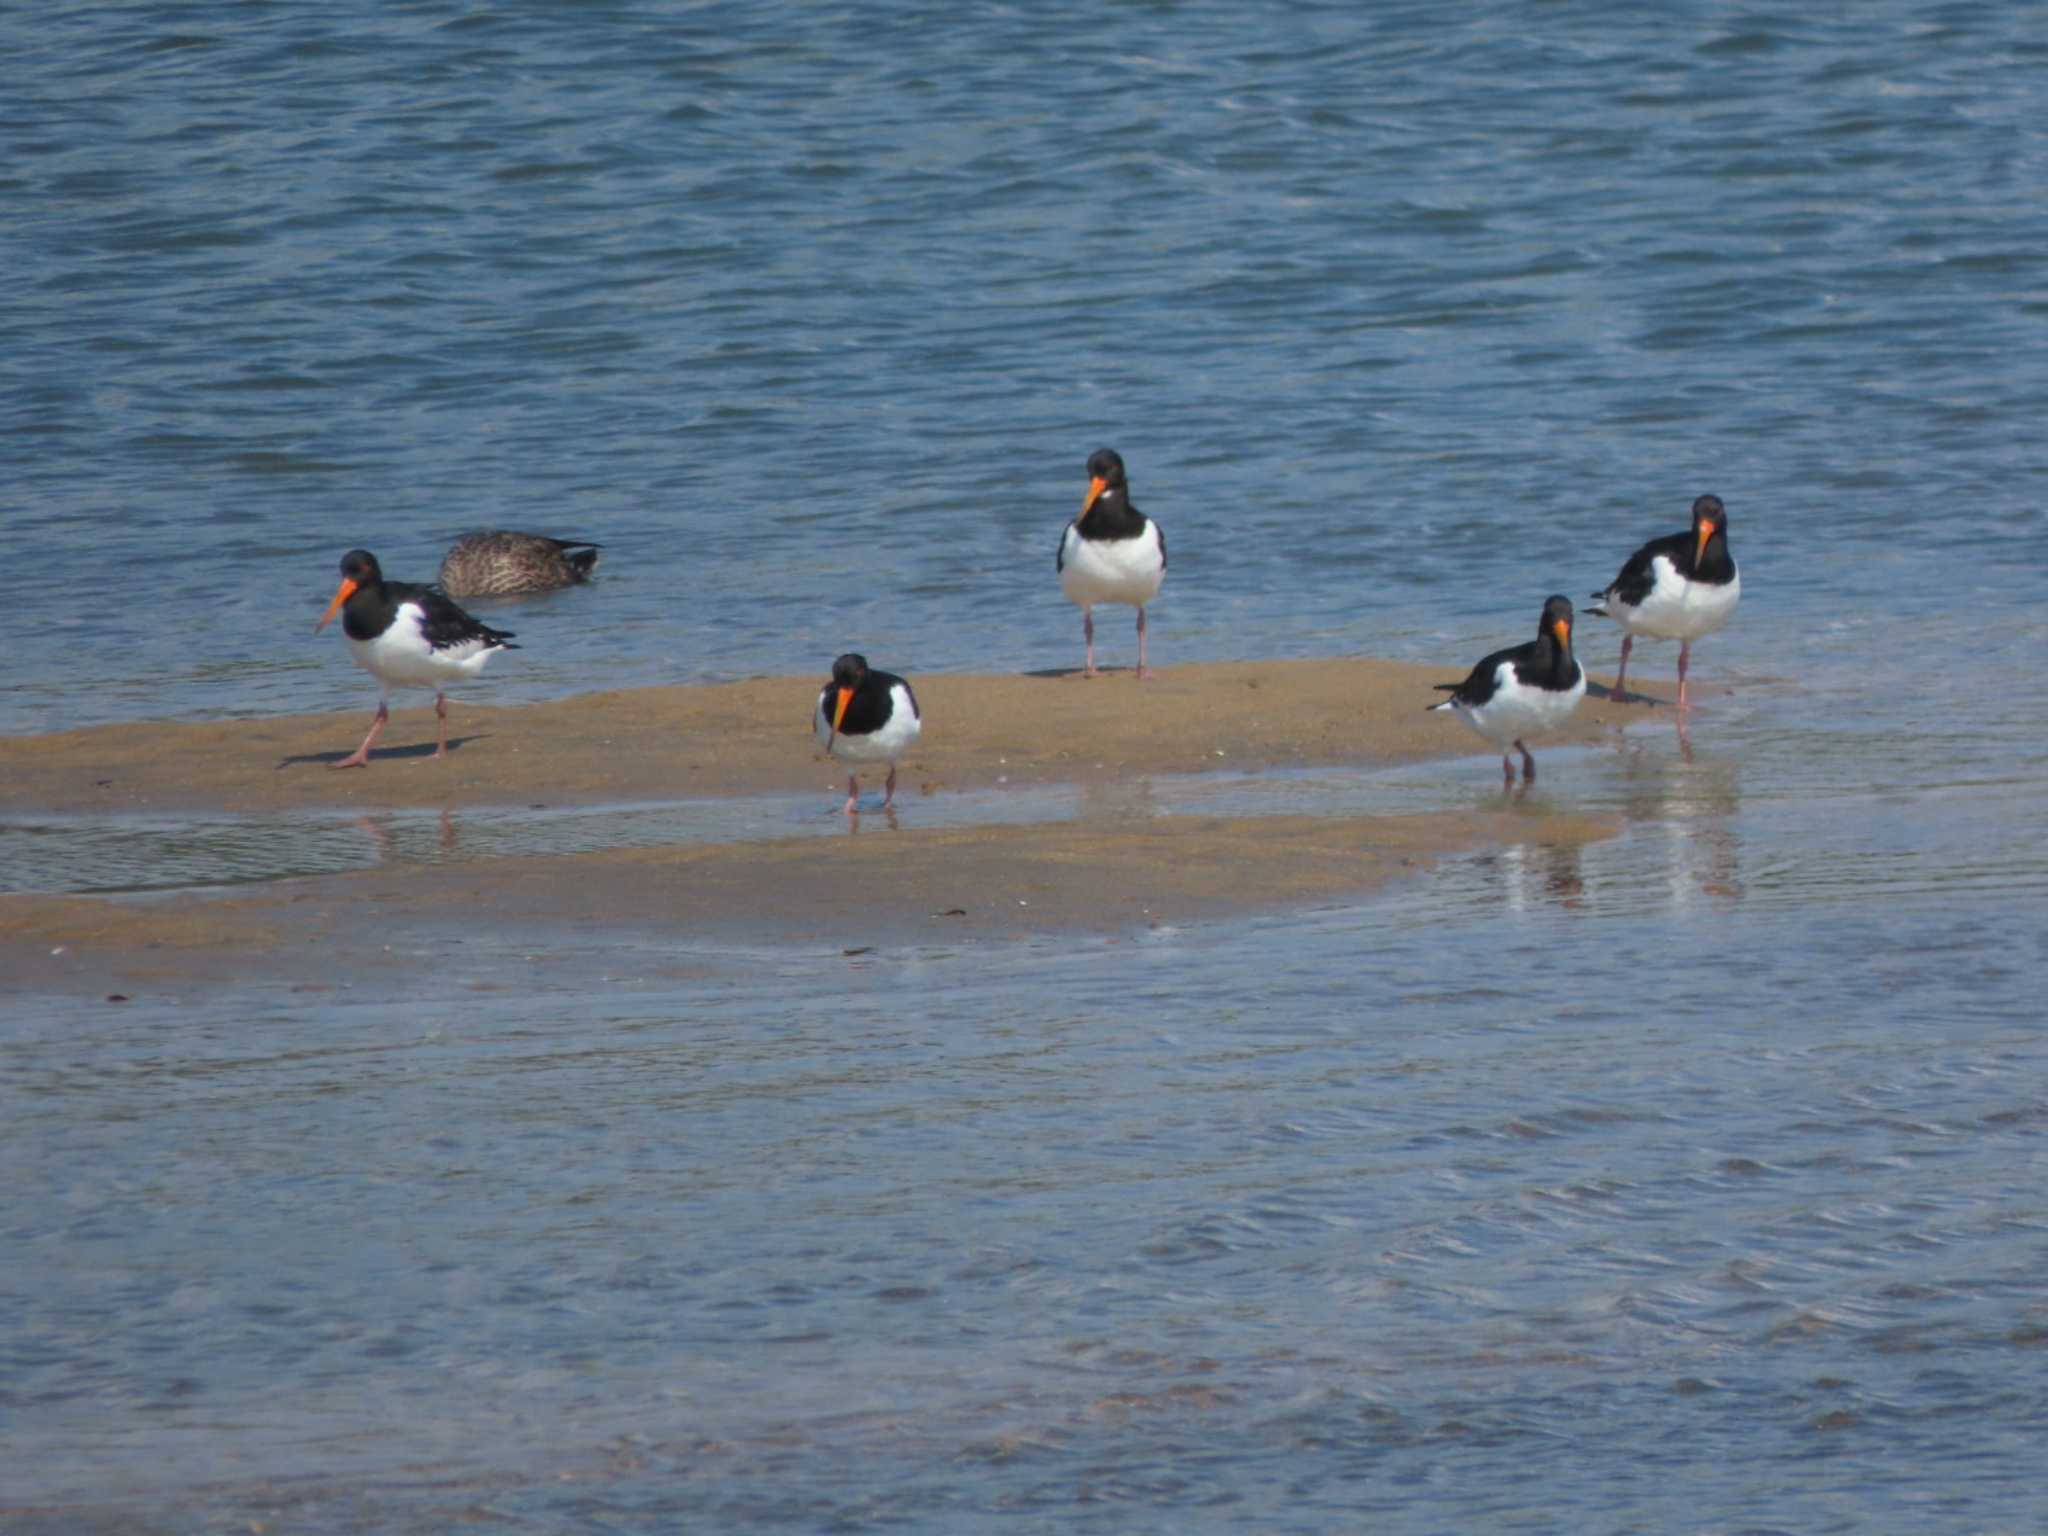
[1103,872]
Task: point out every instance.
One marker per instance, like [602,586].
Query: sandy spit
[1104,872]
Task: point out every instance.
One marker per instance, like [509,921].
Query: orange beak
[1563,630]
[1096,487]
[1708,529]
[342,594]
[838,714]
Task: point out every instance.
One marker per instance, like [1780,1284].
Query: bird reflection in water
[1538,874]
[393,842]
[1683,808]
[852,819]
[1680,846]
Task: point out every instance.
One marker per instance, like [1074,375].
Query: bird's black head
[848,673]
[358,570]
[1105,478]
[1106,465]
[1709,517]
[1557,619]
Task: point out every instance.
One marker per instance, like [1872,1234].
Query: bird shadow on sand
[1603,691]
[419,752]
[1057,672]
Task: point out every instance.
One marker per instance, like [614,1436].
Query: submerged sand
[1103,872]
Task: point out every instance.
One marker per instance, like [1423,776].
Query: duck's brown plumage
[500,563]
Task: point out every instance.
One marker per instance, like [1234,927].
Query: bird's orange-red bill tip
[342,594]
[1707,531]
[1096,487]
[1563,630]
[839,712]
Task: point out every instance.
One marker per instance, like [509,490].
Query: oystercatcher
[866,716]
[1524,689]
[1110,553]
[501,562]
[406,636]
[1679,587]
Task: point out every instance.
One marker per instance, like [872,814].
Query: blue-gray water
[1688,1181]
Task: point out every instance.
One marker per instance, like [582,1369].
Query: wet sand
[885,883]
[754,737]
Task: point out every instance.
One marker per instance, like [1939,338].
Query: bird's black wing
[1636,578]
[1480,682]
[446,624]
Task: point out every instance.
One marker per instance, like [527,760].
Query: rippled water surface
[1401,320]
[1559,1189]
[1688,1180]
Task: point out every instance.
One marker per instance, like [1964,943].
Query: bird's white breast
[886,745]
[1676,607]
[402,658]
[1112,570]
[1518,710]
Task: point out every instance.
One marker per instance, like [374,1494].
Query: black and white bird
[1679,587]
[866,716]
[501,563]
[1110,553]
[406,636]
[1523,690]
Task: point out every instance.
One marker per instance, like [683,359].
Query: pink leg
[1684,654]
[1507,767]
[1143,671]
[1088,630]
[1620,672]
[360,758]
[852,795]
[441,713]
[889,788]
[1528,764]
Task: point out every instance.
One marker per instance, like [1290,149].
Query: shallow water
[1687,1180]
[1171,1240]
[1683,1179]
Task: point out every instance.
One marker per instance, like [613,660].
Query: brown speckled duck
[500,562]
